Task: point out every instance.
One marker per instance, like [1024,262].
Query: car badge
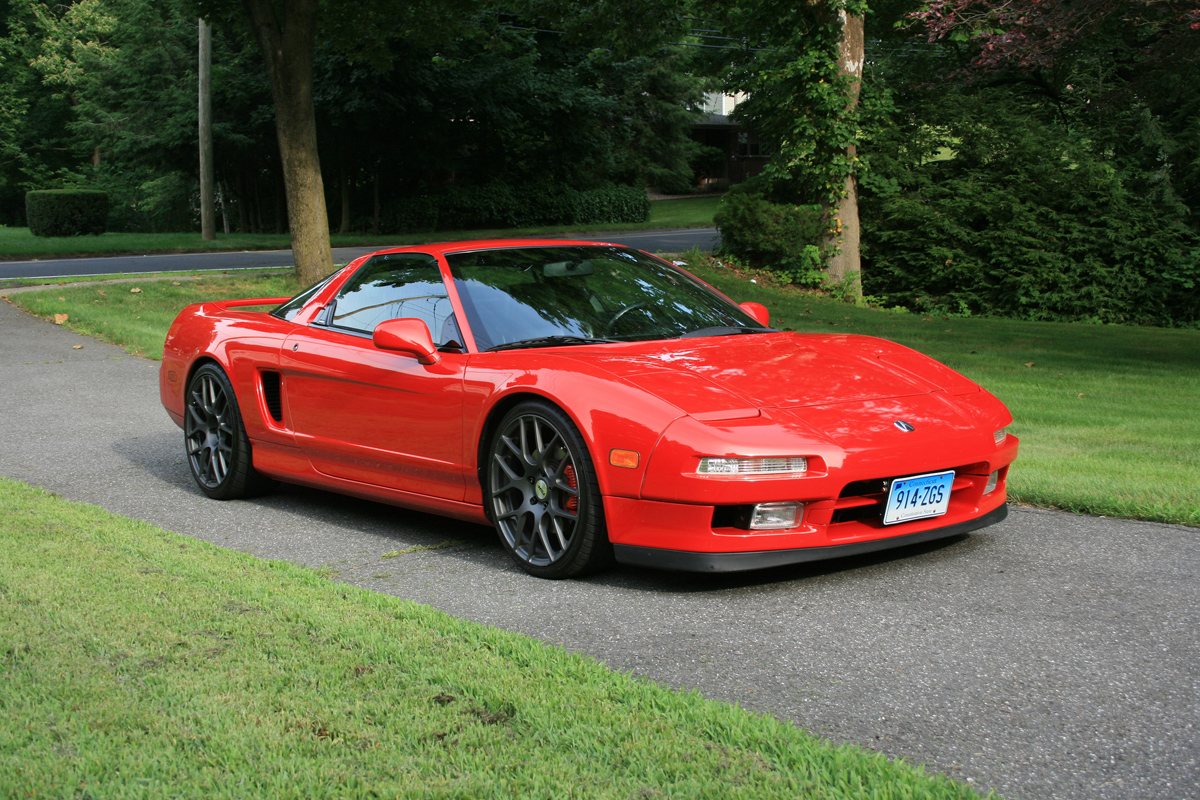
[904,426]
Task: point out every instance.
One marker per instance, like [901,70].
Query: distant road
[660,241]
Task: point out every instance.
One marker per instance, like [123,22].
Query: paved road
[661,241]
[1051,656]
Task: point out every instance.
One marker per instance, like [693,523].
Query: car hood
[716,375]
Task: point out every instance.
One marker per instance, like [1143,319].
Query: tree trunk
[344,180]
[845,236]
[375,210]
[208,219]
[288,40]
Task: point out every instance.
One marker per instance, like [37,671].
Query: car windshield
[545,296]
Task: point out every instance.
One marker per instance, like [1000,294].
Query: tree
[802,67]
[1125,71]
[287,37]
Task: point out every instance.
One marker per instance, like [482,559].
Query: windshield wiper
[548,341]
[724,330]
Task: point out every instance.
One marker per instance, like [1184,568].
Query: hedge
[66,212]
[782,237]
[499,205]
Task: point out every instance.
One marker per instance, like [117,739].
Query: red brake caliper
[572,503]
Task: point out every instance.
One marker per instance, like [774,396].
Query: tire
[218,450]
[542,495]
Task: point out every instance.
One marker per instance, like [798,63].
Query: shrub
[781,237]
[611,204]
[1028,227]
[409,215]
[498,205]
[66,212]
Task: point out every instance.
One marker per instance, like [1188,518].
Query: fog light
[993,482]
[1001,435]
[786,465]
[776,516]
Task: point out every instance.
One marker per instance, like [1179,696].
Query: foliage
[102,93]
[1023,221]
[782,237]
[1123,73]
[798,99]
[500,205]
[66,212]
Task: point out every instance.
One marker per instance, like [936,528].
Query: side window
[393,286]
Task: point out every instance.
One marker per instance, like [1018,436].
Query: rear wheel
[543,496]
[218,449]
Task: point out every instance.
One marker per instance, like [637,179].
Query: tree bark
[344,181]
[208,218]
[288,41]
[845,236]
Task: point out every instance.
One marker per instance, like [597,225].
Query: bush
[498,205]
[409,215]
[611,204]
[1021,225]
[784,238]
[66,212]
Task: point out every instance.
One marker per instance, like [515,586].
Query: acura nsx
[591,402]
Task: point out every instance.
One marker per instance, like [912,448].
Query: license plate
[918,497]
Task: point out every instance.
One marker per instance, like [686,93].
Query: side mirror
[759,312]
[409,336]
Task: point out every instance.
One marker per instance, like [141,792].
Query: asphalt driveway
[1050,656]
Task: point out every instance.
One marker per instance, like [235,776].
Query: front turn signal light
[624,458]
[1001,435]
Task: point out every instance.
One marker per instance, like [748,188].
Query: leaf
[1029,364]
[59,319]
[135,290]
[80,347]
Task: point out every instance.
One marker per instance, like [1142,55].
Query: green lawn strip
[19,243]
[136,315]
[1106,413]
[140,663]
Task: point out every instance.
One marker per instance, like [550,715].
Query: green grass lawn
[136,663]
[19,243]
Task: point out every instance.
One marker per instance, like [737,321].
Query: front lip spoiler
[685,561]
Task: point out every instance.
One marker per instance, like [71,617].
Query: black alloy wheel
[543,496]
[218,449]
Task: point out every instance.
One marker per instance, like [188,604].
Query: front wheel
[543,496]
[218,449]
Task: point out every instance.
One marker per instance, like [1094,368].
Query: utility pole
[208,216]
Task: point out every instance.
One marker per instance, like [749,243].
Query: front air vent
[271,394]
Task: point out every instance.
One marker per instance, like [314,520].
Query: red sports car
[592,403]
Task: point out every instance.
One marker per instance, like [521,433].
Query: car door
[372,415]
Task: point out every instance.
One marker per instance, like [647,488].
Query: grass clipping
[140,663]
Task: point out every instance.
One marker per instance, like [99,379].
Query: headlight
[1001,435]
[786,465]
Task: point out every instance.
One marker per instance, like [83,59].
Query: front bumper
[687,561]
